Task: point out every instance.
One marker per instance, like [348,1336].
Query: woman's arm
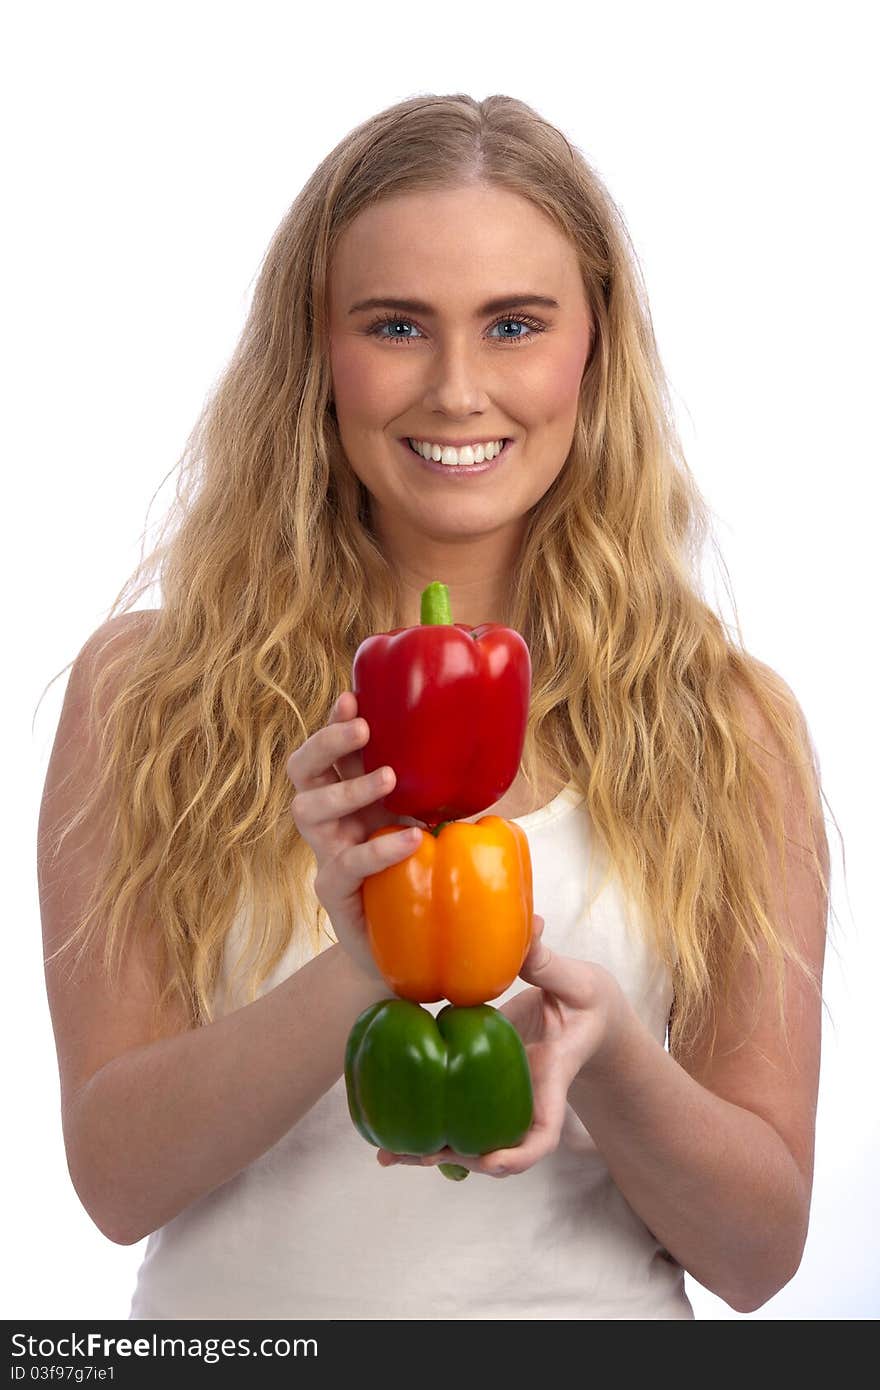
[714,1149]
[157,1113]
[163,1124]
[714,1182]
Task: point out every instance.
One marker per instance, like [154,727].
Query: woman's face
[453,369]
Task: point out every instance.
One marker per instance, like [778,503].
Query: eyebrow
[492,306]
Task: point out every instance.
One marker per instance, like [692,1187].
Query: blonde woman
[453,273]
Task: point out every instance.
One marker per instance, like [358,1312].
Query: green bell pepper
[416,1084]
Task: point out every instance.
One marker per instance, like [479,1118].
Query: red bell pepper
[447,707]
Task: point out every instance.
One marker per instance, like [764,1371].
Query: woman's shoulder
[126,627]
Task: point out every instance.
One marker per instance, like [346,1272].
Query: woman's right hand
[335,810]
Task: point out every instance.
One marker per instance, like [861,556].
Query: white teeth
[478,453]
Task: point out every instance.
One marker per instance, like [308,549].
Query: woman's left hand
[572,1014]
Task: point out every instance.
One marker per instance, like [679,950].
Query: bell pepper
[416,1084]
[454,919]
[447,706]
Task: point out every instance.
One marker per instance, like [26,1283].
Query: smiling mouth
[463,470]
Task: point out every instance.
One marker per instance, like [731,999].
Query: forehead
[460,245]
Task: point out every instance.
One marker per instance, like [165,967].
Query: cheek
[363,384]
[555,385]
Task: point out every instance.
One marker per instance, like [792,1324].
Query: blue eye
[533,325]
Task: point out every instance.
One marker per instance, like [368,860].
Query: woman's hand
[572,1014]
[335,810]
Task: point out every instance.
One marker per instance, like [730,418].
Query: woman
[453,271]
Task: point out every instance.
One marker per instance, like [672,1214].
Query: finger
[339,880]
[572,981]
[534,940]
[386,1159]
[318,806]
[541,1140]
[313,764]
[351,761]
[346,706]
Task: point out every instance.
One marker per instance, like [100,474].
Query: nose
[457,382]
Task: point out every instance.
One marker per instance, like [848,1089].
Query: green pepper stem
[454,1171]
[436,607]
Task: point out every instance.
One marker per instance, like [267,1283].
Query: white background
[151,151]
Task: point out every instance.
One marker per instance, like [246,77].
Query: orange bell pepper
[453,920]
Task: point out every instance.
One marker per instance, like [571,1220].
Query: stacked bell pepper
[447,707]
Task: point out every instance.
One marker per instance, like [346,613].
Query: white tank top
[314,1228]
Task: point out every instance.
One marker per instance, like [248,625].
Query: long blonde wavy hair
[271,576]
